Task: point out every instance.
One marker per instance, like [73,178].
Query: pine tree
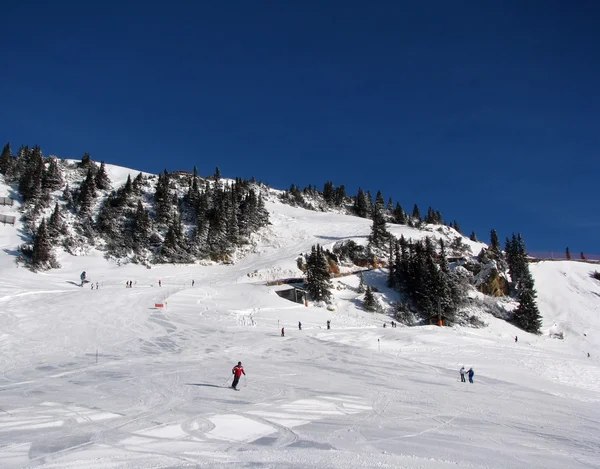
[473,237]
[141,227]
[369,203]
[456,227]
[102,180]
[86,161]
[340,195]
[175,248]
[568,254]
[369,302]
[55,224]
[317,275]
[361,206]
[399,215]
[527,315]
[138,182]
[379,235]
[494,252]
[67,196]
[163,199]
[31,173]
[328,193]
[7,162]
[582,256]
[42,251]
[416,214]
[87,193]
[53,178]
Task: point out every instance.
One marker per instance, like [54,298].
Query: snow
[102,379]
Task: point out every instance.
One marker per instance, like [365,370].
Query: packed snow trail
[101,378]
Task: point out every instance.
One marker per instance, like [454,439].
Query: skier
[384,324]
[96,285]
[471,373]
[237,372]
[462,375]
[159,283]
[193,281]
[82,277]
[282,332]
[328,324]
[516,339]
[299,326]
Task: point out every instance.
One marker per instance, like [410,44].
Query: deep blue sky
[489,113]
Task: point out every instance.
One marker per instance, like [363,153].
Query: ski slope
[102,379]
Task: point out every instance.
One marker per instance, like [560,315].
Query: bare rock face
[490,281]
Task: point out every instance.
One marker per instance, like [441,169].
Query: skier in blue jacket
[471,373]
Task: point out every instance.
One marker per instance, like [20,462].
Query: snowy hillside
[103,378]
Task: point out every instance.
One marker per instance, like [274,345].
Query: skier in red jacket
[237,371]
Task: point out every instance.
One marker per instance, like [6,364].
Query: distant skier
[237,372]
[193,281]
[82,277]
[516,339]
[328,324]
[299,326]
[462,375]
[96,285]
[384,324]
[282,332]
[471,373]
[159,283]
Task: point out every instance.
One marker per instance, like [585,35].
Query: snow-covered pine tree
[102,180]
[416,214]
[55,226]
[87,193]
[361,206]
[163,199]
[141,228]
[317,275]
[42,256]
[340,195]
[328,193]
[369,302]
[7,163]
[53,179]
[494,251]
[527,316]
[399,215]
[379,237]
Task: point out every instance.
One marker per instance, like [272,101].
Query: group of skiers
[469,373]
[300,327]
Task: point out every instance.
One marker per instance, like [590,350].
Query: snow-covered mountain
[104,377]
